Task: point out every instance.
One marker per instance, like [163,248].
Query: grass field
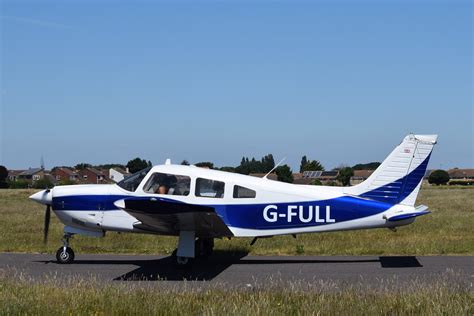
[448,230]
[88,297]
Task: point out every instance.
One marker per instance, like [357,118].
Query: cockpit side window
[209,188]
[132,182]
[243,193]
[170,184]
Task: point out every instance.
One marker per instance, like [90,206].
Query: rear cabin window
[209,188]
[243,193]
[170,184]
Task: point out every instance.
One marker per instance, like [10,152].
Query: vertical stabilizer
[398,179]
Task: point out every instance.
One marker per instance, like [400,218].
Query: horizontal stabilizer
[420,210]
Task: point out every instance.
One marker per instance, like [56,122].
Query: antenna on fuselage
[276,166]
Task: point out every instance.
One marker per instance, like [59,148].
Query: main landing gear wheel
[183,261]
[204,247]
[65,255]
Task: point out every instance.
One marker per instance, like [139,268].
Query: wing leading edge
[170,217]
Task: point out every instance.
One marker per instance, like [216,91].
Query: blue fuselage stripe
[254,216]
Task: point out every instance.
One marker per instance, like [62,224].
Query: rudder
[398,179]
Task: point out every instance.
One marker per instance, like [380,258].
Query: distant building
[360,176]
[64,174]
[461,174]
[13,174]
[92,176]
[32,174]
[309,176]
[118,174]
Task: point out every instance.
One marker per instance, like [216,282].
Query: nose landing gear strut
[65,254]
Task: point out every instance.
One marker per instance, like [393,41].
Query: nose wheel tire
[65,256]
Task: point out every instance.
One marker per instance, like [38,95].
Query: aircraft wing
[170,217]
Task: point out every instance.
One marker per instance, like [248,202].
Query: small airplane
[199,205]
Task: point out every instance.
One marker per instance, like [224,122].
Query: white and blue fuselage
[385,199]
[277,208]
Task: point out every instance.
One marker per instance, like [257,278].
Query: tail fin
[398,179]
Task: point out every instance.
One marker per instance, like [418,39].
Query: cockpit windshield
[131,183]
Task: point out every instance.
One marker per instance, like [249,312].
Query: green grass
[448,230]
[89,297]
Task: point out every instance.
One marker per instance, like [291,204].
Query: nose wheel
[65,254]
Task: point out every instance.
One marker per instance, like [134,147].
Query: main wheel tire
[65,257]
[204,247]
[208,246]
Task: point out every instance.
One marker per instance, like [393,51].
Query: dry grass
[88,297]
[448,230]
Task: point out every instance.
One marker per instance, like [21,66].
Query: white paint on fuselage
[268,192]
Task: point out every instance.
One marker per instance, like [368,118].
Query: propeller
[47,217]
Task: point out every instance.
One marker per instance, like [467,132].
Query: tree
[438,177]
[367,166]
[185,162]
[138,164]
[263,165]
[316,182]
[310,165]
[19,184]
[82,166]
[109,165]
[43,184]
[205,164]
[304,161]
[244,167]
[66,182]
[228,169]
[268,163]
[3,177]
[313,165]
[344,175]
[284,174]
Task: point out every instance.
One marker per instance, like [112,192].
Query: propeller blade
[47,217]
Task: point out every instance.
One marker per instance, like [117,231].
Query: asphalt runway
[240,270]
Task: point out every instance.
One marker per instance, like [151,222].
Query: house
[92,176]
[297,175]
[360,176]
[32,174]
[324,176]
[328,176]
[64,174]
[118,174]
[13,174]
[461,174]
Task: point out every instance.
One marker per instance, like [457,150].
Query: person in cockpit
[162,189]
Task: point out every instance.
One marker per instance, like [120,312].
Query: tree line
[247,166]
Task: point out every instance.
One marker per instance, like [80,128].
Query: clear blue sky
[341,82]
